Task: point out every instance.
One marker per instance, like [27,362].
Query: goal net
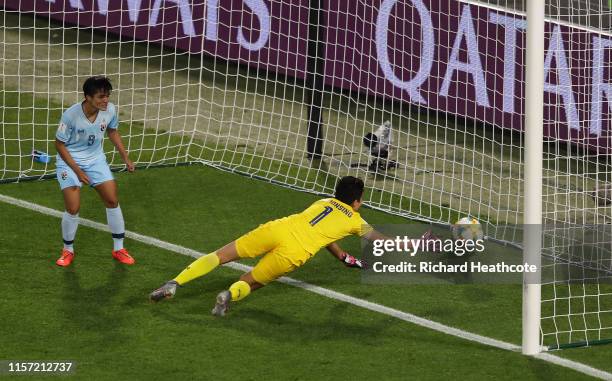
[423,99]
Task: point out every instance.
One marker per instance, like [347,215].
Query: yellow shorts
[274,239]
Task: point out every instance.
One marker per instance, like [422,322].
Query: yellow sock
[240,290]
[197,268]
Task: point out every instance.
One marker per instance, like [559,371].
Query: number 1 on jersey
[321,215]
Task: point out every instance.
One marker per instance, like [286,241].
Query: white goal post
[532,215]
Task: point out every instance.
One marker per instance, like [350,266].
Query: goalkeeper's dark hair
[349,189]
[96,84]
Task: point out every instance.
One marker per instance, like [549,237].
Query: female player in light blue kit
[81,160]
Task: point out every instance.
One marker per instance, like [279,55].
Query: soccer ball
[467,228]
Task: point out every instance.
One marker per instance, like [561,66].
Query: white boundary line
[405,316]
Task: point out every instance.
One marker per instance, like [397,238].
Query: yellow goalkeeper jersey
[324,222]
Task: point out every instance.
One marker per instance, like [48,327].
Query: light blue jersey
[83,138]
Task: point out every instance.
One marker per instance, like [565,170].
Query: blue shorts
[98,172]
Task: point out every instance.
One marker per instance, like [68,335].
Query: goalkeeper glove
[350,261]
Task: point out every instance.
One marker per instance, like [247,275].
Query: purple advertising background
[352,45]
[351,56]
[285,51]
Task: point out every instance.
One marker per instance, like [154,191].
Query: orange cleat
[123,256]
[66,259]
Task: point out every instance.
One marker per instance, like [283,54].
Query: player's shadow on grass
[332,323]
[264,315]
[272,313]
[94,310]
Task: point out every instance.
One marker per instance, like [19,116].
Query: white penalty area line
[405,316]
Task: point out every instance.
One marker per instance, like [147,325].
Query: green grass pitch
[97,313]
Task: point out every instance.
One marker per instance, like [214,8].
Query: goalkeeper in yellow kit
[287,244]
